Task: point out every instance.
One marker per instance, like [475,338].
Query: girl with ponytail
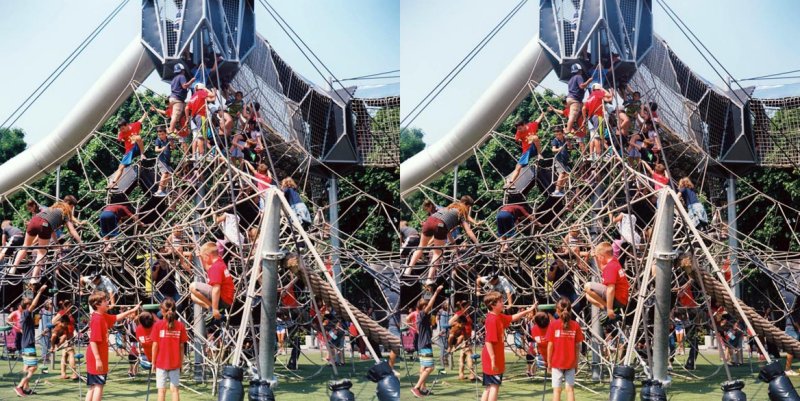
[564,338]
[168,336]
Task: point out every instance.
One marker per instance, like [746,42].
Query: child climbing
[528,139]
[697,213]
[129,135]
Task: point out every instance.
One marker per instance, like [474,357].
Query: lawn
[517,386]
[120,387]
[447,387]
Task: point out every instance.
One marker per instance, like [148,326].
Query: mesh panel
[776,127]
[171,13]
[377,123]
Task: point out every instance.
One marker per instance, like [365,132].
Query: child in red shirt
[493,357]
[612,293]
[217,294]
[169,336]
[538,345]
[128,134]
[530,143]
[564,338]
[144,329]
[97,352]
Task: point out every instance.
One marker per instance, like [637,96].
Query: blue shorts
[526,156]
[29,357]
[108,224]
[96,380]
[489,380]
[128,158]
[426,358]
[505,224]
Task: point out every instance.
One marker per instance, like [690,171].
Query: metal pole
[58,183]
[333,216]
[199,324]
[733,242]
[664,255]
[270,256]
[455,182]
[597,206]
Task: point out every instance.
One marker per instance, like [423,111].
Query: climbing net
[216,198]
[608,199]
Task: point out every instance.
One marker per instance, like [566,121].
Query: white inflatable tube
[89,114]
[505,94]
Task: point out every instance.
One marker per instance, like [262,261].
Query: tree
[12,142]
[411,142]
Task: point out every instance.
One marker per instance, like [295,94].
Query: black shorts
[409,245]
[489,380]
[530,359]
[96,380]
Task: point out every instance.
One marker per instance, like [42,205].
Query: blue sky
[749,38]
[352,37]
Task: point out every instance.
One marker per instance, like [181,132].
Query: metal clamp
[279,255]
[671,255]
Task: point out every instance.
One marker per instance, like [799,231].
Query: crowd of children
[599,122]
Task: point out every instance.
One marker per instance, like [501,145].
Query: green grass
[517,386]
[447,388]
[120,387]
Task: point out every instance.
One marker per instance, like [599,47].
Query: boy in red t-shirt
[613,291]
[97,352]
[526,136]
[493,357]
[564,338]
[217,294]
[168,336]
[128,134]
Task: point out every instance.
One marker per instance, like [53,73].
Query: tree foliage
[12,141]
[411,142]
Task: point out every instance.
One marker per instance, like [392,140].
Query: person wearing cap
[98,282]
[179,88]
[576,89]
[128,134]
[495,282]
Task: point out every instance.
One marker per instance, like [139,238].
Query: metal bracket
[279,255]
[672,255]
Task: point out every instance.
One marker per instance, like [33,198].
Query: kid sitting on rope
[128,134]
[613,291]
[217,294]
[526,136]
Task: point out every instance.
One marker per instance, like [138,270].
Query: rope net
[214,196]
[611,198]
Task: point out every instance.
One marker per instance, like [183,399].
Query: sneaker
[557,194]
[414,391]
[21,393]
[161,194]
[426,391]
[791,372]
[29,392]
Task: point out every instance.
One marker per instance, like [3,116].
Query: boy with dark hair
[526,136]
[28,343]
[425,343]
[493,358]
[163,148]
[97,352]
[128,134]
